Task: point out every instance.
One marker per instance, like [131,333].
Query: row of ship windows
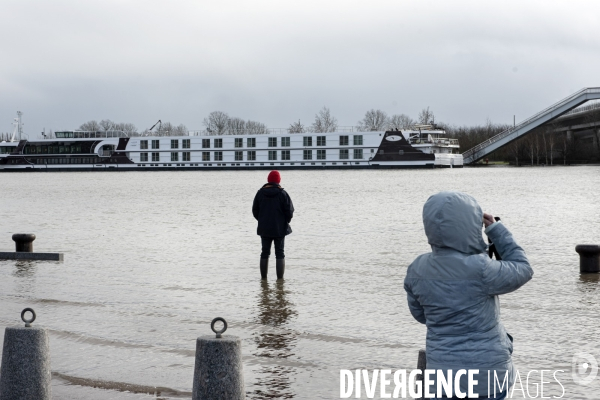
[251,155]
[68,149]
[96,161]
[344,154]
[185,144]
[307,141]
[65,160]
[238,164]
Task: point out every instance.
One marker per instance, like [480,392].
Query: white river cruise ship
[422,146]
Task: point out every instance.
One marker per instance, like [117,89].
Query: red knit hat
[274,177]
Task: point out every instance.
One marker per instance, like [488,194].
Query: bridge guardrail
[581,109]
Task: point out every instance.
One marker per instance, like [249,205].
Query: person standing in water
[273,209]
[454,291]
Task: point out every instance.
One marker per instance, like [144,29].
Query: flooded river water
[152,257]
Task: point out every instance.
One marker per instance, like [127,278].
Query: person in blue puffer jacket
[454,291]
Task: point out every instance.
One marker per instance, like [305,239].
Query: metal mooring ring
[212,326]
[28,321]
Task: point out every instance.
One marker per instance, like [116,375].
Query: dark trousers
[266,247]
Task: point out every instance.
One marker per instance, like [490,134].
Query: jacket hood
[271,189]
[454,220]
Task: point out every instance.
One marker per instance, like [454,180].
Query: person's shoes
[280,267]
[264,267]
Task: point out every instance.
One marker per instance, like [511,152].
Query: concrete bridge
[551,113]
[580,124]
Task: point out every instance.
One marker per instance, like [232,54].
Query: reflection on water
[274,341]
[25,274]
[588,285]
[589,281]
[24,269]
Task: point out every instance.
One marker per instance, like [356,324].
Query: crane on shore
[159,123]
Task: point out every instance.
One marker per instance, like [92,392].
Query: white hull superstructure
[79,150]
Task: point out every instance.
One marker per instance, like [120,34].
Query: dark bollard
[24,242]
[25,372]
[589,258]
[24,250]
[422,365]
[218,371]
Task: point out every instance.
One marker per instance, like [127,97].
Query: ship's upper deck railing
[439,142]
[90,134]
[268,131]
[307,130]
[471,152]
[205,132]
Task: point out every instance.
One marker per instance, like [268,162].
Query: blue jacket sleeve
[513,271]
[414,306]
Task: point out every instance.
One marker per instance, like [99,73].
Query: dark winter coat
[273,209]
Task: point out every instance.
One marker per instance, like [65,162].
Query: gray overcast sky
[66,62]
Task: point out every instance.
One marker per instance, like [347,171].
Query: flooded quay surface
[151,258]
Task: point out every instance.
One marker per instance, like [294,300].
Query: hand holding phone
[488,219]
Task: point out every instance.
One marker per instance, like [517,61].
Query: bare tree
[128,128]
[166,129]
[324,122]
[256,128]
[551,143]
[106,124]
[550,139]
[402,121]
[426,116]
[516,147]
[236,126]
[216,123]
[529,142]
[570,147]
[537,147]
[374,120]
[92,126]
[533,143]
[296,127]
[545,148]
[180,130]
[565,148]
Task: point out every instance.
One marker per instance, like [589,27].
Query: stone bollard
[422,365]
[589,258]
[24,242]
[218,371]
[25,373]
